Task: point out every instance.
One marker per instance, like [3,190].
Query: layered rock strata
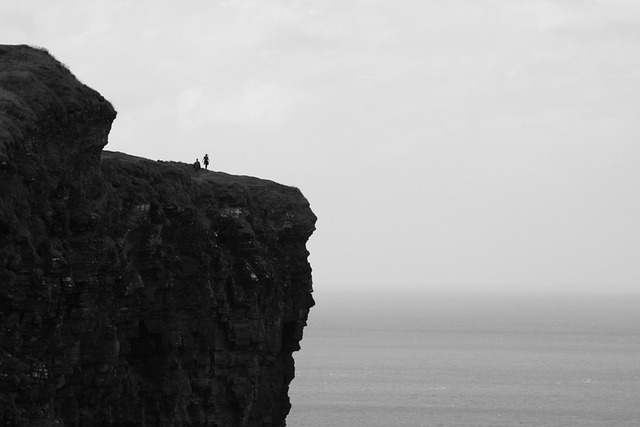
[135,292]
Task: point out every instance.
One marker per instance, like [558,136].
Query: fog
[470,146]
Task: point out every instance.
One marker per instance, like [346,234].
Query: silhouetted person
[205,160]
[196,167]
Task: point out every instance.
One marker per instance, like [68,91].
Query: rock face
[135,292]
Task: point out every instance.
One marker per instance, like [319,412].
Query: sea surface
[436,359]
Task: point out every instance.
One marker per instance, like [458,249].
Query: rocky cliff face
[133,292]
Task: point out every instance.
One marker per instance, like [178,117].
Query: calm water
[443,360]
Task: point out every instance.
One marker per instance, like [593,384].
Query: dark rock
[133,292]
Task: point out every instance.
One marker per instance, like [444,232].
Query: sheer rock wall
[135,292]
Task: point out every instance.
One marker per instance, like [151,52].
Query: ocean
[468,360]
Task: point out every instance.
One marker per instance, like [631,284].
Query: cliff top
[235,190]
[38,92]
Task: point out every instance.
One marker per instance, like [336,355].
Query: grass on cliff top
[203,176]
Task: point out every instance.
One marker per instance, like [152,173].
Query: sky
[465,145]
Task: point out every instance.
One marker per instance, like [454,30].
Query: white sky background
[480,144]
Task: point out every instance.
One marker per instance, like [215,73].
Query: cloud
[256,104]
[16,25]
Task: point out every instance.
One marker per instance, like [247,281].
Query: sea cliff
[134,292]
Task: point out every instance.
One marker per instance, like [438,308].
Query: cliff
[135,292]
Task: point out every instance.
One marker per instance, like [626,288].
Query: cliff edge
[134,292]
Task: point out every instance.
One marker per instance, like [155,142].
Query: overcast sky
[480,144]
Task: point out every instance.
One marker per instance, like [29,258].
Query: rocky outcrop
[135,292]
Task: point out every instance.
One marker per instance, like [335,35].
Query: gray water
[474,360]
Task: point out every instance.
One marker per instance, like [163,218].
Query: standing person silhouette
[205,160]
[196,167]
